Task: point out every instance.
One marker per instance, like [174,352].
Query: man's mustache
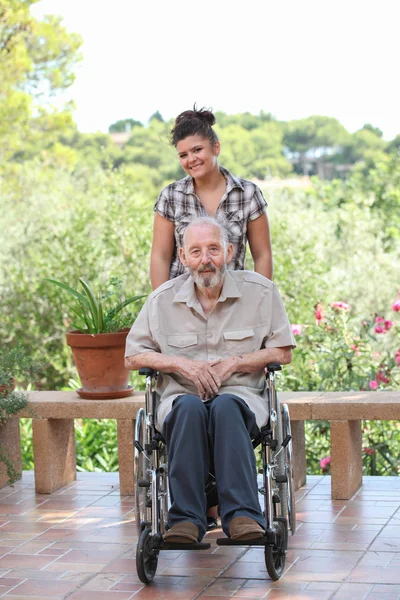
[209,267]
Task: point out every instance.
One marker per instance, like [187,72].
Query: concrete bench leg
[125,433]
[299,453]
[346,459]
[11,443]
[54,454]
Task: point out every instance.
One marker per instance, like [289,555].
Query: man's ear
[182,256]
[229,254]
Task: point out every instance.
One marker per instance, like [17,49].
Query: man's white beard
[208,280]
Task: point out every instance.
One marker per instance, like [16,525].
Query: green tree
[124,125]
[364,145]
[157,116]
[314,138]
[37,60]
[373,129]
[394,146]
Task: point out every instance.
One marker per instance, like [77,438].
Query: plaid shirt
[241,203]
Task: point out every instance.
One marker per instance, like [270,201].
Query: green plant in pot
[101,324]
[15,365]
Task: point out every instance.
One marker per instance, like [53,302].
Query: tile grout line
[232,562]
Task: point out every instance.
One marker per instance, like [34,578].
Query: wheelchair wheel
[275,555]
[291,499]
[142,480]
[281,470]
[146,558]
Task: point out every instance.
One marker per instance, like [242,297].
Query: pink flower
[340,305]
[379,329]
[383,325]
[355,349]
[319,315]
[369,451]
[397,357]
[396,304]
[297,329]
[324,463]
[373,384]
[381,377]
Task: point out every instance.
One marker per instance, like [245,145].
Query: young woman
[208,189]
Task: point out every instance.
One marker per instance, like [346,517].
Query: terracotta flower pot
[99,359]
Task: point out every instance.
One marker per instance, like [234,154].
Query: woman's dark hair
[194,122]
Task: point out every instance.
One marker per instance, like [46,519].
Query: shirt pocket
[239,341]
[182,345]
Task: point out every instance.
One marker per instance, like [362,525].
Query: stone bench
[344,411]
[54,441]
[53,436]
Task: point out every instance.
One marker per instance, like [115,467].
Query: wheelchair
[151,485]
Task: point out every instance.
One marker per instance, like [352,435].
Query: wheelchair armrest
[272,367]
[147,372]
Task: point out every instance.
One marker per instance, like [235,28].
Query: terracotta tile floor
[79,543]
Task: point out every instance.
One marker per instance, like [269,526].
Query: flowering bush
[337,351]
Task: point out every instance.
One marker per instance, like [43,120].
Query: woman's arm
[161,250]
[260,245]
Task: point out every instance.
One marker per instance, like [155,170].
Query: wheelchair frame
[151,485]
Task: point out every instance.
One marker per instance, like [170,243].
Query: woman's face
[197,156]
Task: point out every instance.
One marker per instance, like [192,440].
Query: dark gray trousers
[192,430]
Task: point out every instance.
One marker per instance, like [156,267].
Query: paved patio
[79,543]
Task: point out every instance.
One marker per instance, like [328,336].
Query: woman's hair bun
[205,115]
[191,122]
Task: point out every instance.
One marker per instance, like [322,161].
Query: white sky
[291,58]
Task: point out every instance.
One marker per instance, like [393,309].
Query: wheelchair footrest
[225,541]
[170,546]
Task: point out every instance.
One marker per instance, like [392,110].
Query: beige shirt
[248,316]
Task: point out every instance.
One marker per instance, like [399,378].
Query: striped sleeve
[258,204]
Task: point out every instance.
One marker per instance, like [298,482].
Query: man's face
[204,255]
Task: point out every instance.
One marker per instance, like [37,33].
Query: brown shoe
[244,528]
[184,532]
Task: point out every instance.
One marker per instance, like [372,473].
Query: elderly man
[210,333]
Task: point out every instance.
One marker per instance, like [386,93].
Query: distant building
[120,138]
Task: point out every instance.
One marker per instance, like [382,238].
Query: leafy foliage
[101,314]
[74,203]
[14,362]
[37,60]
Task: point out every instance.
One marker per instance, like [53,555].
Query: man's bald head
[209,222]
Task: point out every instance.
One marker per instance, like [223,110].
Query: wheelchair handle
[147,372]
[272,367]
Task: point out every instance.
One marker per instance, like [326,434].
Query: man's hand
[224,368]
[201,373]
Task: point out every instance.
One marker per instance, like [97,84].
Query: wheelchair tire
[141,476]
[146,557]
[291,499]
[281,470]
[275,556]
